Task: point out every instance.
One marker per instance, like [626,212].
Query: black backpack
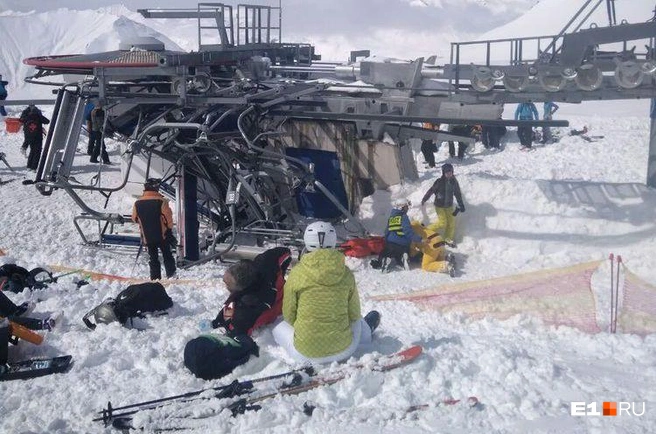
[214,356]
[135,300]
[18,278]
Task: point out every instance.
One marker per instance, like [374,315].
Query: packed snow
[524,373]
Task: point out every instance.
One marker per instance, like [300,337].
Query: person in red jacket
[256,292]
[155,218]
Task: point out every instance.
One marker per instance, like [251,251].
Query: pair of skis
[121,417]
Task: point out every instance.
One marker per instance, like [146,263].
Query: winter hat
[214,356]
[401,203]
[152,184]
[447,167]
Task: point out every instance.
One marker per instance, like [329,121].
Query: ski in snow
[34,368]
[252,402]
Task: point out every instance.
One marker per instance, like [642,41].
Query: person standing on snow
[398,237]
[461,130]
[445,189]
[33,121]
[549,109]
[3,95]
[526,111]
[321,305]
[96,127]
[155,218]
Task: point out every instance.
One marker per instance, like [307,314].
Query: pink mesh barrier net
[637,312]
[561,296]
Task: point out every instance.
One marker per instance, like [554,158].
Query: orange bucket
[13,125]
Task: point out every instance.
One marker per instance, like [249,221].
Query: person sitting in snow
[256,292]
[321,305]
[398,237]
[33,122]
[445,189]
[434,256]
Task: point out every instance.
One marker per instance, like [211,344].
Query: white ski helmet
[320,235]
[401,203]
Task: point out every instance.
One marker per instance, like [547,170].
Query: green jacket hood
[324,266]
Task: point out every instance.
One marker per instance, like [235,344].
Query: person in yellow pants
[445,189]
[435,258]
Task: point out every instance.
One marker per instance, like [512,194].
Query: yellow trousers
[446,223]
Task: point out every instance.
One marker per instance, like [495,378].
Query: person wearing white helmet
[398,236]
[321,306]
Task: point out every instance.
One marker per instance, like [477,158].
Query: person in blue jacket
[526,111]
[398,236]
[3,95]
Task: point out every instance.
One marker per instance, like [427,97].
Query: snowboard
[34,368]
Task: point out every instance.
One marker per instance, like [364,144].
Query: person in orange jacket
[155,218]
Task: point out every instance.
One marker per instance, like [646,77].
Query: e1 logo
[608,408]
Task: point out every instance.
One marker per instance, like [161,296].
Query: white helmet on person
[320,235]
[401,203]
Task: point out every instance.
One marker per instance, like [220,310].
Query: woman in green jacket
[321,305]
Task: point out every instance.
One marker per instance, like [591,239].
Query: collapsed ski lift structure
[228,126]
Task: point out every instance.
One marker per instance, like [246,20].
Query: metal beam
[399,119]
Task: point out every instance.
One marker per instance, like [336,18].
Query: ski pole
[617,292]
[108,412]
[136,259]
[53,279]
[612,298]
[4,160]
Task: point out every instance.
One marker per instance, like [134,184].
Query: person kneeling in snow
[321,305]
[256,292]
[398,237]
[434,255]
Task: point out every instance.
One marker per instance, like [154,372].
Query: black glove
[455,212]
[170,239]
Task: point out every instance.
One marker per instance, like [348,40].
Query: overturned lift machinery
[221,117]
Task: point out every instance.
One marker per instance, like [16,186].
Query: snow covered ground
[525,374]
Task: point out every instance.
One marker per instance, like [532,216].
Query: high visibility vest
[394,225]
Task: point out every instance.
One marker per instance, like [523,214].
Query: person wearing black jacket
[445,189]
[33,122]
[155,218]
[256,289]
